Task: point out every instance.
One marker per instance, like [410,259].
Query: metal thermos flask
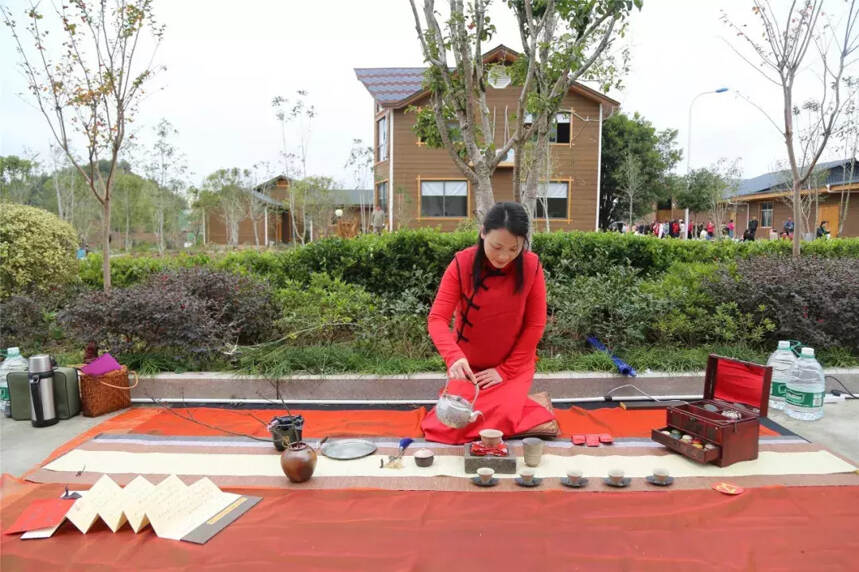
[41,374]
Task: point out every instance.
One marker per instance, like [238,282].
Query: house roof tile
[778,180]
[391,85]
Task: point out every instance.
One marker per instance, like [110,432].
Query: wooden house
[418,186]
[272,226]
[767,198]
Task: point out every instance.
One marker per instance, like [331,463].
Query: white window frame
[768,211]
[458,185]
[382,138]
[554,192]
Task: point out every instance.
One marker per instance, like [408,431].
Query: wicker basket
[104,393]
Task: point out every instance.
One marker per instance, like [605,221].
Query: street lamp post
[689,151]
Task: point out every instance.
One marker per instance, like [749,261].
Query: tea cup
[615,476]
[574,475]
[485,474]
[661,475]
[527,476]
[424,457]
[533,447]
[491,437]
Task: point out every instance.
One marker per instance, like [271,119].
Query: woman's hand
[461,370]
[487,378]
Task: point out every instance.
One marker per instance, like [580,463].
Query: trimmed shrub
[242,305]
[609,306]
[24,323]
[37,251]
[416,259]
[130,270]
[814,300]
[325,311]
[692,317]
[189,313]
[147,318]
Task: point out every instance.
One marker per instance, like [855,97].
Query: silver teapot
[455,411]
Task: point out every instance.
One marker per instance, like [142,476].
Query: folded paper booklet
[174,509]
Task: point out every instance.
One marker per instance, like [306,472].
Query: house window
[560,131]
[382,195]
[552,199]
[767,213]
[444,198]
[382,138]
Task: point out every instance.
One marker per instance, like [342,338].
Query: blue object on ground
[623,367]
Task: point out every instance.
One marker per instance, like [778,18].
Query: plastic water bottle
[804,396]
[14,362]
[782,361]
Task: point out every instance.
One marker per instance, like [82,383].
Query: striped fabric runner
[245,463]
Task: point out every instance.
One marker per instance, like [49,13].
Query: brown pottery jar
[298,461]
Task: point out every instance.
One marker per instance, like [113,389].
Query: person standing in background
[788,227]
[378,221]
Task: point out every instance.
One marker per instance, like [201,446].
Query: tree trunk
[797,216]
[484,198]
[105,265]
[161,230]
[127,226]
[60,211]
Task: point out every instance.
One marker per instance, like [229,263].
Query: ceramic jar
[298,461]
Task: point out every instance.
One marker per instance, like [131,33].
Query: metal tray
[346,449]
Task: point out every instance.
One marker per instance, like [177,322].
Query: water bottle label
[778,388]
[803,398]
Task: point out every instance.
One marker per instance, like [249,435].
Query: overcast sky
[226,60]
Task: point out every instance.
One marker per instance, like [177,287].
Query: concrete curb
[415,388]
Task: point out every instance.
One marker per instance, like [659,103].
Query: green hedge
[415,259]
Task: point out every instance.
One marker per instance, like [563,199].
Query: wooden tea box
[729,386]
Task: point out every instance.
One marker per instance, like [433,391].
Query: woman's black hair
[513,218]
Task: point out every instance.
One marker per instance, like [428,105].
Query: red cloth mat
[618,421]
[399,530]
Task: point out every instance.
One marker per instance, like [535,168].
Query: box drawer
[700,455]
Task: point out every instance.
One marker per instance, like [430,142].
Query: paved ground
[22,446]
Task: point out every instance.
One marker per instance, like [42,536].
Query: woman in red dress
[497,293]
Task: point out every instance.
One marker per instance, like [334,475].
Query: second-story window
[560,130]
[382,138]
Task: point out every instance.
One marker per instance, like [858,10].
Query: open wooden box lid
[738,381]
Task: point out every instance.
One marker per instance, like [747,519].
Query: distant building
[275,224]
[764,197]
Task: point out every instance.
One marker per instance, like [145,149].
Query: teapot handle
[476,392]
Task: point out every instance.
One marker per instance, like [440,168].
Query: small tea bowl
[491,437]
[485,474]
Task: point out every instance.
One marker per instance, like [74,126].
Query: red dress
[494,327]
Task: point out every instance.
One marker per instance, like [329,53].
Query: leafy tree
[167,168]
[709,189]
[298,114]
[89,86]
[18,179]
[229,190]
[630,171]
[562,39]
[657,154]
